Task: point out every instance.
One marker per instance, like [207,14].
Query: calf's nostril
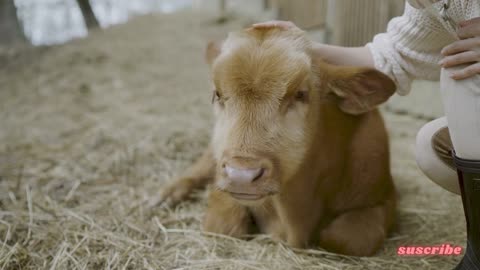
[259,175]
[242,175]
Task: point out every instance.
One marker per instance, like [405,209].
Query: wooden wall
[305,13]
[347,22]
[355,22]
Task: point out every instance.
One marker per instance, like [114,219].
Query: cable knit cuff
[401,80]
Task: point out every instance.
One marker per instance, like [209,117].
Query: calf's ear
[358,89]
[213,50]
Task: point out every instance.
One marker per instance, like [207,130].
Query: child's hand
[464,51]
[285,25]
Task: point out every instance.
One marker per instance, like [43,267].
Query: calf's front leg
[359,232]
[226,216]
[196,177]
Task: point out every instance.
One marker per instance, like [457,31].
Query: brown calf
[298,150]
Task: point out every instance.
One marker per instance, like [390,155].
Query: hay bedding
[91,130]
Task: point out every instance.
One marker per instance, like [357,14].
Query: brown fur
[327,179]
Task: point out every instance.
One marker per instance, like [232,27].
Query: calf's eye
[301,96]
[215,96]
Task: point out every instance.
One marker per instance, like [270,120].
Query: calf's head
[267,99]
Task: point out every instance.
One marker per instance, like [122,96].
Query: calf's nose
[243,175]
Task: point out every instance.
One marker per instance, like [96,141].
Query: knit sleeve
[410,48]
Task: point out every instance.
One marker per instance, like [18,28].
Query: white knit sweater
[410,49]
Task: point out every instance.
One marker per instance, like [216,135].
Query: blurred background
[48,22]
[102,102]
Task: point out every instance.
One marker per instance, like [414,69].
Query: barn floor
[90,131]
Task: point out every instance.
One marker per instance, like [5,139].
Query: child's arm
[408,50]
[347,56]
[354,56]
